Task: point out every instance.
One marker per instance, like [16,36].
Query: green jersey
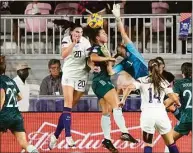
[101,72]
[184,88]
[11,91]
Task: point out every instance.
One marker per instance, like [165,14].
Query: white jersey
[75,63]
[149,99]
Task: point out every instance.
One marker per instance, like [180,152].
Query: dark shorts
[183,128]
[14,124]
[100,88]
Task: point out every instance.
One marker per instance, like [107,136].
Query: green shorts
[100,88]
[14,124]
[183,128]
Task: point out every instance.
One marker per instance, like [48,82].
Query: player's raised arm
[66,47]
[116,13]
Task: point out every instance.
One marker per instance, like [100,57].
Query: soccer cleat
[128,137]
[52,142]
[35,151]
[70,142]
[108,144]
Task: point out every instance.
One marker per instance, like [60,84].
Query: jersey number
[81,83]
[77,54]
[154,96]
[188,105]
[12,97]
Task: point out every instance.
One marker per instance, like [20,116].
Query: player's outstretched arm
[116,13]
[95,58]
[126,92]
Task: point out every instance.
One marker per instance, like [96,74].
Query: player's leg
[76,97]
[105,119]
[64,121]
[112,99]
[165,129]
[148,139]
[21,138]
[106,125]
[169,141]
[147,124]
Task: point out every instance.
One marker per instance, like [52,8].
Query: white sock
[106,126]
[119,119]
[166,150]
[31,149]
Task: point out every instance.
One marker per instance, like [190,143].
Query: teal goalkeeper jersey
[184,88]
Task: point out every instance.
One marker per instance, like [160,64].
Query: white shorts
[150,123]
[77,84]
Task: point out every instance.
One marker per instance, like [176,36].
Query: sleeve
[137,84]
[93,49]
[87,46]
[65,42]
[167,88]
[176,87]
[2,85]
[44,87]
[16,87]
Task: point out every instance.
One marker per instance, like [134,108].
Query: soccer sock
[147,149]
[173,148]
[166,150]
[106,126]
[64,122]
[119,119]
[31,149]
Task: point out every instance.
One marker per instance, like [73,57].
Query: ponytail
[156,77]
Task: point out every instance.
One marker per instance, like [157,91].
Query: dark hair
[92,33]
[186,69]
[74,26]
[160,60]
[2,65]
[156,77]
[53,61]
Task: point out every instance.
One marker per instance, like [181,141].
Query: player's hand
[111,59]
[74,38]
[116,11]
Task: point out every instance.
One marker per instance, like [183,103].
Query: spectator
[22,74]
[51,85]
[167,75]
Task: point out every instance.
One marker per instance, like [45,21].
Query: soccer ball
[95,20]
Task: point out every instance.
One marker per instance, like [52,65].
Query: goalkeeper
[133,63]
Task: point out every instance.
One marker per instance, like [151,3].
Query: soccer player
[133,63]
[105,91]
[10,116]
[153,88]
[74,79]
[183,88]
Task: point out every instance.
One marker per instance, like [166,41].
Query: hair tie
[154,64]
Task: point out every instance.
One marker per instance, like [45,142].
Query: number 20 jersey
[150,99]
[75,63]
[11,91]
